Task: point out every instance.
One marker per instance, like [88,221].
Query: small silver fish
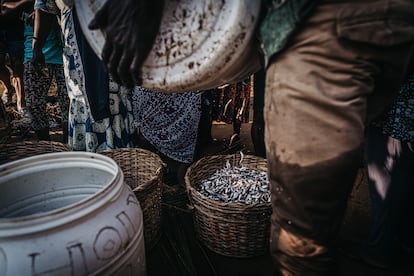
[236,184]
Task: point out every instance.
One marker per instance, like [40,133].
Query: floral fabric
[168,121]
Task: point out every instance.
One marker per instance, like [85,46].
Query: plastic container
[200,45]
[69,213]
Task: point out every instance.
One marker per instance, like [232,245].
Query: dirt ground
[165,259]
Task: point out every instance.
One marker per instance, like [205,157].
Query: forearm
[23,3]
[15,7]
[42,25]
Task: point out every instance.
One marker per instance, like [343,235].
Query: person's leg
[36,86]
[235,137]
[318,92]
[174,168]
[181,171]
[390,166]
[63,99]
[16,80]
[380,162]
[257,130]
[15,66]
[236,126]
[406,177]
[5,78]
[240,110]
[205,125]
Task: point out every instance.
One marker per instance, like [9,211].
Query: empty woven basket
[143,173]
[231,229]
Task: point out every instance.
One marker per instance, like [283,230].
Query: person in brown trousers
[331,67]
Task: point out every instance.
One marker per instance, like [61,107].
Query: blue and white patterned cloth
[168,121]
[86,134]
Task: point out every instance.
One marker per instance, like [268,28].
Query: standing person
[331,67]
[232,106]
[241,107]
[100,112]
[336,72]
[38,79]
[390,164]
[257,130]
[12,51]
[168,125]
[206,120]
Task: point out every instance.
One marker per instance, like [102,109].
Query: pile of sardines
[236,184]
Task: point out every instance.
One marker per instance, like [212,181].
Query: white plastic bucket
[69,213]
[201,44]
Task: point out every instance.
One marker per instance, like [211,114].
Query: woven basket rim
[30,142]
[23,149]
[151,182]
[132,149]
[155,178]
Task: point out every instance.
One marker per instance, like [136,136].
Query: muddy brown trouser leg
[341,69]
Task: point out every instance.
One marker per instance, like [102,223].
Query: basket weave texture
[231,229]
[15,151]
[143,173]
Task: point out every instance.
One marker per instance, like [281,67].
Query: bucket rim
[68,213]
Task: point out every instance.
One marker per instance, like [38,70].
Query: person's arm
[130,28]
[43,23]
[8,7]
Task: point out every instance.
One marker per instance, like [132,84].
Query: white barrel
[201,44]
[69,213]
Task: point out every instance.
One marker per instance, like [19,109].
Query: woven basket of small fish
[18,150]
[143,172]
[230,197]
